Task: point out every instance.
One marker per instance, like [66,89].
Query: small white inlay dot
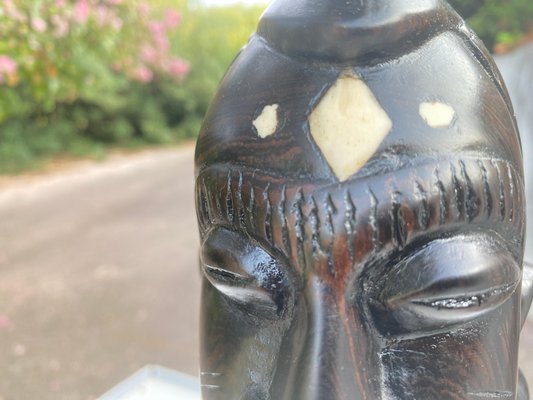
[267,122]
[437,114]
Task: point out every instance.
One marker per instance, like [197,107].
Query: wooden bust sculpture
[360,199]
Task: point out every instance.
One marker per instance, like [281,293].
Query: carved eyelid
[242,270]
[226,252]
[467,301]
[225,275]
[458,274]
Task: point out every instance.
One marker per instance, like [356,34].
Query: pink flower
[157,28]
[61,26]
[159,36]
[178,68]
[106,16]
[117,23]
[101,14]
[38,24]
[172,18]
[60,3]
[144,8]
[143,74]
[82,11]
[8,66]
[149,54]
[11,11]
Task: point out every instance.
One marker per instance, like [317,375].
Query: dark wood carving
[360,198]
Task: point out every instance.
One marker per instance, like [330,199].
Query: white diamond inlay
[348,125]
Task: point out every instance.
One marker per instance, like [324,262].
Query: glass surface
[155,383]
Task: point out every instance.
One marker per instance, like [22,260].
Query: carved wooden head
[360,200]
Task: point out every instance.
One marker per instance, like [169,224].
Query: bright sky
[226,2]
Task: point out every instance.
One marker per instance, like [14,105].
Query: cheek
[239,350]
[477,360]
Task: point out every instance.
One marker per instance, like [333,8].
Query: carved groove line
[218,206]
[208,219]
[200,207]
[486,189]
[240,204]
[299,227]
[331,212]
[398,228]
[229,199]
[251,209]
[423,209]
[350,221]
[268,214]
[501,193]
[374,222]
[282,210]
[443,203]
[314,223]
[511,192]
[458,193]
[471,198]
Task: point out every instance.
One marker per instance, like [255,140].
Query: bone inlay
[437,114]
[348,125]
[267,122]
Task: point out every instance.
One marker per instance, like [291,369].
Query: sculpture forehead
[357,219]
[263,83]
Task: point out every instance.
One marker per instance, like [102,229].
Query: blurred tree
[467,8]
[76,75]
[497,21]
[215,37]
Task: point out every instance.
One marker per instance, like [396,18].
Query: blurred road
[98,277]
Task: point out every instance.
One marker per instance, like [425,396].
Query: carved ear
[527,290]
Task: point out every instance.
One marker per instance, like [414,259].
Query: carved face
[361,227]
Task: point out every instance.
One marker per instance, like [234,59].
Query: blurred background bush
[78,77]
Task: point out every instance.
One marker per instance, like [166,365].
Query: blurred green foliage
[78,77]
[216,36]
[497,21]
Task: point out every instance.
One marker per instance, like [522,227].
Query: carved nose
[324,368]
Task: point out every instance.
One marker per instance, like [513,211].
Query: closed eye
[448,282]
[231,278]
[245,273]
[468,301]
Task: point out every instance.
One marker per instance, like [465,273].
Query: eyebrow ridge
[300,218]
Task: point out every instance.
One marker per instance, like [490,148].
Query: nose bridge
[327,367]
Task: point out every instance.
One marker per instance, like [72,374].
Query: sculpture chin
[523,391]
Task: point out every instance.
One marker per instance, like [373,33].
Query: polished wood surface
[400,281]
